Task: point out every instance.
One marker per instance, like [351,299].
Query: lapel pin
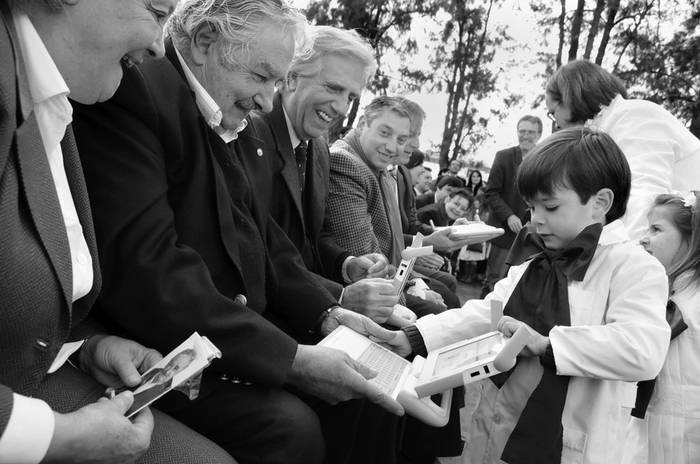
[259,152]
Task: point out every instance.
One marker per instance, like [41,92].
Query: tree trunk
[595,24]
[562,21]
[613,7]
[576,29]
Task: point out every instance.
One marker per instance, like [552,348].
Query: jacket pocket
[573,448]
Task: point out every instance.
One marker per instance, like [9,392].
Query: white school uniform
[618,335]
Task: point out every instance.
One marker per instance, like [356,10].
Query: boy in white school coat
[595,303]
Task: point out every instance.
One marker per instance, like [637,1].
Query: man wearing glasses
[507,207]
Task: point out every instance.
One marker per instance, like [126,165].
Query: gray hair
[238,22]
[417,115]
[329,40]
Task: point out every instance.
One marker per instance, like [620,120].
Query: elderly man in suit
[185,246]
[507,207]
[316,93]
[50,275]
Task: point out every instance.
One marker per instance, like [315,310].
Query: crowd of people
[164,169]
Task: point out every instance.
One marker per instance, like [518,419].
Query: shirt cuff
[547,358]
[415,339]
[344,270]
[28,433]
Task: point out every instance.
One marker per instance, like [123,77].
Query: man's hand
[538,343]
[514,223]
[375,298]
[431,261]
[372,265]
[399,344]
[334,376]
[441,241]
[115,361]
[99,432]
[435,297]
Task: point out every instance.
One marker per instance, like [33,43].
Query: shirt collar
[207,106]
[44,78]
[292,133]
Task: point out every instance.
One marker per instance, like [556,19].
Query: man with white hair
[185,247]
[49,272]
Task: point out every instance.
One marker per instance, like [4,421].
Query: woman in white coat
[663,155]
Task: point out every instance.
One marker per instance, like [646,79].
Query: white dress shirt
[30,428]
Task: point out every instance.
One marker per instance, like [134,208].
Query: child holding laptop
[595,303]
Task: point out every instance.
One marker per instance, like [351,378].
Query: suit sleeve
[493,194]
[156,288]
[26,428]
[348,216]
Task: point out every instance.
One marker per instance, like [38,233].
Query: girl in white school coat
[671,427]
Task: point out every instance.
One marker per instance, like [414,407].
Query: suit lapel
[43,202]
[285,151]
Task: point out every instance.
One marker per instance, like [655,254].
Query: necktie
[388,186]
[541,300]
[300,159]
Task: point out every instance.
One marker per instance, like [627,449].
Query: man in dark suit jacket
[185,247]
[323,82]
[507,207]
[49,272]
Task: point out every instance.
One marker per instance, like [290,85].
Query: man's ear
[203,43]
[602,202]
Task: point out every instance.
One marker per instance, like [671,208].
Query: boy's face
[456,207]
[560,217]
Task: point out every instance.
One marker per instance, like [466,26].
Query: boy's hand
[538,343]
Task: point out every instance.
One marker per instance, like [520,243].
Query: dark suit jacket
[180,234]
[37,314]
[301,218]
[407,206]
[436,213]
[425,199]
[502,195]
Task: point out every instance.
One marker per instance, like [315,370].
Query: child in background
[595,301]
[671,427]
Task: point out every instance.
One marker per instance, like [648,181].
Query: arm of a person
[347,215]
[471,320]
[157,288]
[299,297]
[631,345]
[332,255]
[493,194]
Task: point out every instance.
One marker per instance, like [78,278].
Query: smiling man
[186,247]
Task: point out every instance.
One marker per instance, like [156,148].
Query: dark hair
[584,87]
[687,220]
[452,181]
[473,188]
[529,118]
[580,159]
[416,159]
[462,192]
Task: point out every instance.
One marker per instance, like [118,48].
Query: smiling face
[384,138]
[423,180]
[249,83]
[663,240]
[457,206]
[558,218]
[528,135]
[90,39]
[315,102]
